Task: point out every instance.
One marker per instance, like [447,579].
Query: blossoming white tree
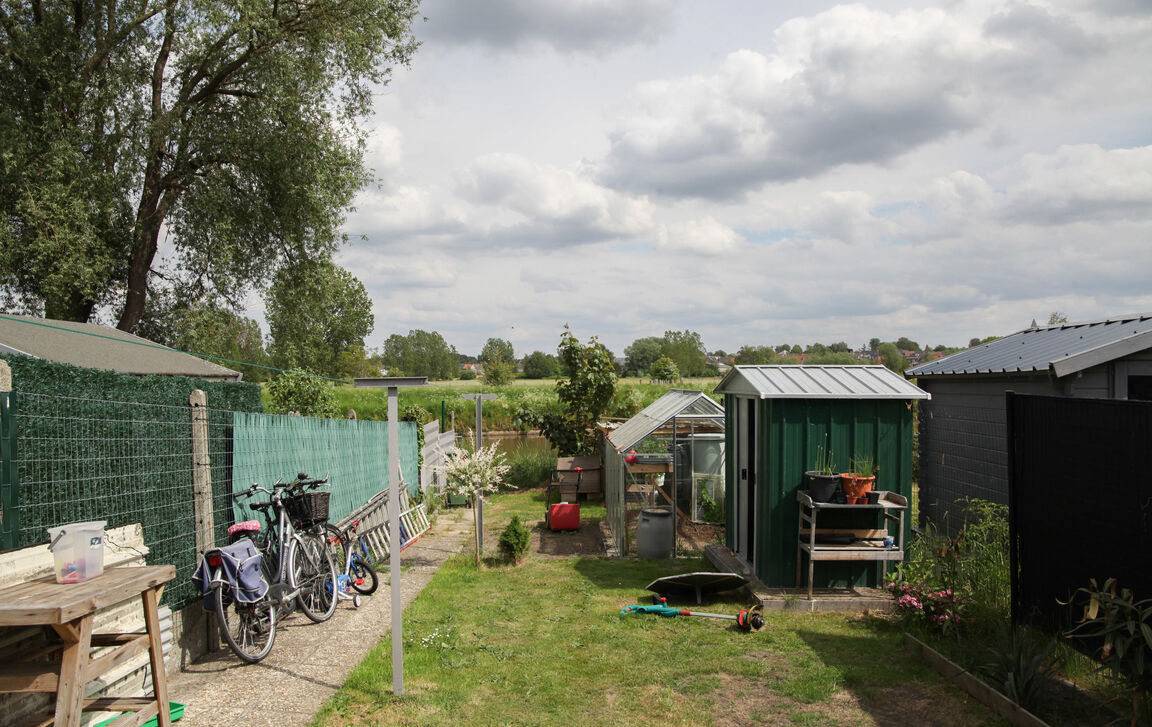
[473,474]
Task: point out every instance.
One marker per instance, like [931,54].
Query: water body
[513,442]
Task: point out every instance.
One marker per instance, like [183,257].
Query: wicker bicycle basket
[308,508]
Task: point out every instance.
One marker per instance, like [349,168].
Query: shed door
[746,481]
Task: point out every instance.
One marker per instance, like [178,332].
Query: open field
[543,643]
[444,397]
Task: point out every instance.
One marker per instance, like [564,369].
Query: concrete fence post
[9,481]
[202,490]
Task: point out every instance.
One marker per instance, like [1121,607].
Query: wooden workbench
[868,544]
[66,667]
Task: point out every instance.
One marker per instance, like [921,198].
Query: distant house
[963,428]
[101,347]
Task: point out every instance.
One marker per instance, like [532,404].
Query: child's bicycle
[354,574]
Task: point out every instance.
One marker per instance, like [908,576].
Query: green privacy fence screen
[122,462]
[353,454]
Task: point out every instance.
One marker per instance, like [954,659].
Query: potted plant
[823,480]
[860,481]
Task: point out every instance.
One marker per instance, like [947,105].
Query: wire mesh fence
[81,459]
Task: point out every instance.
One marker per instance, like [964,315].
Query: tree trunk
[143,252]
[154,203]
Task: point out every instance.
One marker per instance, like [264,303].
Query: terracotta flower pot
[856,487]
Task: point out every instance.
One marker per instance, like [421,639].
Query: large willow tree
[231,128]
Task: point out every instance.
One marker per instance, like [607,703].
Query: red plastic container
[564,516]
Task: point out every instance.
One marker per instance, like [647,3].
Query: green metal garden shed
[778,419]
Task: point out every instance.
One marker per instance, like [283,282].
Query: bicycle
[248,626]
[353,555]
[302,571]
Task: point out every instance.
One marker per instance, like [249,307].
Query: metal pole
[675,487]
[394,540]
[393,384]
[479,504]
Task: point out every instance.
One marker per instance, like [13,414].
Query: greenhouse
[663,470]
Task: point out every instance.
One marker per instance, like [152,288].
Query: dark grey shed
[963,428]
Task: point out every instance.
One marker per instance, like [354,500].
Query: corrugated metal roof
[675,403]
[818,382]
[1063,349]
[101,347]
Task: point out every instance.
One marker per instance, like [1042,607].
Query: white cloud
[564,25]
[1083,182]
[851,85]
[941,172]
[553,206]
[707,236]
[384,153]
[407,210]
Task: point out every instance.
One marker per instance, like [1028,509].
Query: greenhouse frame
[669,456]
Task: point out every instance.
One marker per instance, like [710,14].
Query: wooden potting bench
[858,544]
[66,667]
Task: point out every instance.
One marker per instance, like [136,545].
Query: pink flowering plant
[939,608]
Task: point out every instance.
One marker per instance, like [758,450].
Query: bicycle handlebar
[302,480]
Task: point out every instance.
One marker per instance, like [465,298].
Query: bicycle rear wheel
[249,628]
[314,575]
[334,542]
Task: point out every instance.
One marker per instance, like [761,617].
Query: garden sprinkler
[748,620]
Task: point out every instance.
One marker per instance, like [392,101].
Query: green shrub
[467,375]
[530,465]
[1122,626]
[971,568]
[514,540]
[1020,663]
[626,402]
[498,373]
[304,393]
[540,365]
[664,369]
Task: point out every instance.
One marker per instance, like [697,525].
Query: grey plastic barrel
[654,534]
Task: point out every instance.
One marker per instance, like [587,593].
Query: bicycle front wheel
[249,628]
[362,575]
[314,575]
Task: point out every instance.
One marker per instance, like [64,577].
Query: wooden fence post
[202,490]
[9,481]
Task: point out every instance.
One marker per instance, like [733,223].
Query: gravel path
[309,662]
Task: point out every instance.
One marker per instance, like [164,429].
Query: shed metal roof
[676,402]
[101,347]
[818,382]
[1061,349]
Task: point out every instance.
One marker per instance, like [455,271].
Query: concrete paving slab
[309,662]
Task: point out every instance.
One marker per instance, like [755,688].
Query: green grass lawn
[543,643]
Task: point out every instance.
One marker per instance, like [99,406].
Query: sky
[759,172]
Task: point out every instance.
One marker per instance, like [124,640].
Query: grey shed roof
[677,402]
[101,347]
[818,382]
[1062,349]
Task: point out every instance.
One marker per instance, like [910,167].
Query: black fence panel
[1080,500]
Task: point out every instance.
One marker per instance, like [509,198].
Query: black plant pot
[821,488]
